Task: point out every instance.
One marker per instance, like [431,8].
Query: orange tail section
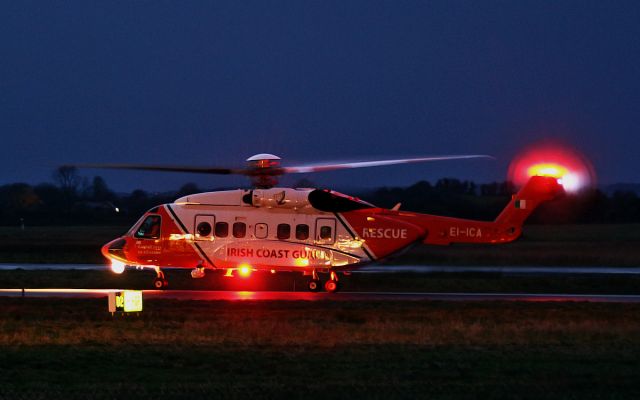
[538,190]
[506,228]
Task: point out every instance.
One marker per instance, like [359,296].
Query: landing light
[117,266]
[244,270]
[301,262]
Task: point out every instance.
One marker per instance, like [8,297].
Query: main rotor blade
[167,168]
[364,164]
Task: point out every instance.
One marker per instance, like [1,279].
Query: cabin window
[302,232]
[325,233]
[239,229]
[203,229]
[261,231]
[222,229]
[149,228]
[284,231]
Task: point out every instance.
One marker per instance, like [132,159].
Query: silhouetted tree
[67,179]
[187,189]
[489,189]
[51,197]
[16,201]
[625,207]
[99,191]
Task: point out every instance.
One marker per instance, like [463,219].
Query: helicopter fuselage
[273,229]
[306,230]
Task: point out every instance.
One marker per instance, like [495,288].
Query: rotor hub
[263,170]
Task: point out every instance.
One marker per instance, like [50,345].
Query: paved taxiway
[377,269]
[341,296]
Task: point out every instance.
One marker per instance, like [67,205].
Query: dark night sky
[211,83]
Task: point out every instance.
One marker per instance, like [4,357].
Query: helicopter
[320,233]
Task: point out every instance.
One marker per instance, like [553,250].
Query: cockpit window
[149,228]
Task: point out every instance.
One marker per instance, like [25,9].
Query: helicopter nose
[115,250]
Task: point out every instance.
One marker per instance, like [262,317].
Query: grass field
[74,349]
[612,245]
[67,349]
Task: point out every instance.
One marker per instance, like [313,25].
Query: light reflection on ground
[342,296]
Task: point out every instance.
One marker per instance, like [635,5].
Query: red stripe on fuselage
[382,233]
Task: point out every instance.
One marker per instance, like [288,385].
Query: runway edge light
[125,301]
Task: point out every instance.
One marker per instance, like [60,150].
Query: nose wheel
[160,282]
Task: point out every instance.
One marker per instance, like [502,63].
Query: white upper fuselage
[273,228]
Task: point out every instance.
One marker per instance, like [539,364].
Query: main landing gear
[160,282]
[198,272]
[314,285]
[314,282]
[330,286]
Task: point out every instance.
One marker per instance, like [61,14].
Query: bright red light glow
[554,170]
[244,270]
[573,170]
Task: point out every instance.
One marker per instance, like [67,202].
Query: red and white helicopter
[316,232]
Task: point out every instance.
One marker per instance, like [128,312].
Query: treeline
[73,200]
[452,197]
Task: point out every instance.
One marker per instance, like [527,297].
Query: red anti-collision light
[573,170]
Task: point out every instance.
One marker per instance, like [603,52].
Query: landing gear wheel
[314,285]
[331,286]
[160,283]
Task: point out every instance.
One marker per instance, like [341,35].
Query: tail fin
[537,190]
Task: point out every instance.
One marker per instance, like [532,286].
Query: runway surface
[423,269]
[341,296]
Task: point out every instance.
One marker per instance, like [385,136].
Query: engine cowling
[278,198]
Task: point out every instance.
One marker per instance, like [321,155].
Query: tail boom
[507,227]
[383,232]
